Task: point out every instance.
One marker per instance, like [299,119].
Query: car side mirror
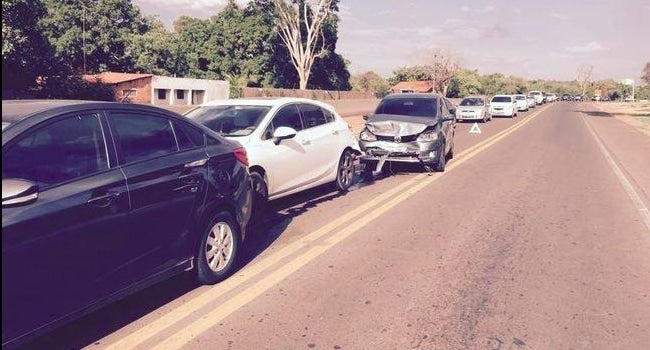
[17,192]
[366,116]
[283,133]
[452,111]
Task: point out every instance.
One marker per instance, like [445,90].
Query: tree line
[48,44]
[466,82]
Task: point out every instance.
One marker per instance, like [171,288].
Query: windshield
[229,120]
[472,102]
[501,99]
[520,97]
[414,107]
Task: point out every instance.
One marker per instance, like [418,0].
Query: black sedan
[412,128]
[102,199]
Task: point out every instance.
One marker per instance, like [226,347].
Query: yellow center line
[389,199]
[196,328]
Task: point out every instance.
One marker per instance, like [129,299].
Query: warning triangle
[475,129]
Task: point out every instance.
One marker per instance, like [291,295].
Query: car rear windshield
[414,107]
[472,101]
[230,120]
[518,97]
[501,99]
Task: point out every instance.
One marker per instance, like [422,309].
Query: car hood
[398,125]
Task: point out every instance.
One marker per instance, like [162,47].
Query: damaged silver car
[411,128]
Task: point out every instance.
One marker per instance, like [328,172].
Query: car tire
[452,150]
[442,160]
[260,196]
[218,249]
[345,171]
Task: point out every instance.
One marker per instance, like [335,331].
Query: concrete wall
[209,89]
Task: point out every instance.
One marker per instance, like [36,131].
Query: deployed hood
[398,125]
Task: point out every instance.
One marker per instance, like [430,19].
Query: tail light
[241,156]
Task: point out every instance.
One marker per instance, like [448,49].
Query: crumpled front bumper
[376,153]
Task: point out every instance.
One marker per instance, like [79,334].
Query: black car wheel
[345,171]
[260,196]
[218,249]
[442,160]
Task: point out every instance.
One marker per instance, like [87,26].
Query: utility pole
[83,36]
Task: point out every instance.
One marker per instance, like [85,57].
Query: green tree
[646,73]
[370,82]
[26,53]
[158,51]
[93,35]
[465,82]
[409,73]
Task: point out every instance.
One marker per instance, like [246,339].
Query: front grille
[407,138]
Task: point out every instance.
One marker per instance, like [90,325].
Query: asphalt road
[536,237]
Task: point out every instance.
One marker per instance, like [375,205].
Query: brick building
[159,90]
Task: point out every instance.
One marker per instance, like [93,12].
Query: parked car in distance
[567,97]
[102,199]
[503,105]
[411,128]
[550,97]
[293,144]
[530,99]
[473,108]
[522,103]
[577,98]
[595,98]
[539,96]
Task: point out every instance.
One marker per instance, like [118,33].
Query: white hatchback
[503,105]
[292,144]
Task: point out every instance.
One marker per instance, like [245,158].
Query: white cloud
[593,46]
[465,9]
[560,16]
[490,7]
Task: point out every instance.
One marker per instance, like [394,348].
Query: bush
[73,88]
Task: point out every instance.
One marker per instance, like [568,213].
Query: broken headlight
[366,135]
[428,136]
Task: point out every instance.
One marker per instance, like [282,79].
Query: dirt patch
[635,114]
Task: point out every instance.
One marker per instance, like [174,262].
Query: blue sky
[547,39]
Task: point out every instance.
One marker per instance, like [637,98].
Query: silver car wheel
[346,170]
[219,246]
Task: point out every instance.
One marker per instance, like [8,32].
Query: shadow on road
[88,329]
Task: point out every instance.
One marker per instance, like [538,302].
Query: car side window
[57,152]
[288,116]
[142,136]
[188,136]
[329,116]
[442,109]
[312,115]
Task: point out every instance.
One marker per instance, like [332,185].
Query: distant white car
[292,144]
[503,105]
[522,103]
[539,96]
[530,99]
[473,108]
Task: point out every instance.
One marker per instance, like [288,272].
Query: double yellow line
[338,229]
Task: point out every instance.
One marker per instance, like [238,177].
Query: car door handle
[196,163]
[104,200]
[189,187]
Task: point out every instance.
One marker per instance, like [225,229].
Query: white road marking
[627,185]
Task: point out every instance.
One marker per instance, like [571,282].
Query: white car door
[286,162]
[325,143]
